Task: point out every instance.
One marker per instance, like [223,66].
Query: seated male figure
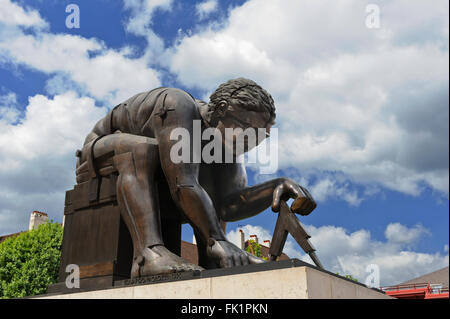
[135,138]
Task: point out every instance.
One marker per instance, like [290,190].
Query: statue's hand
[226,255]
[303,203]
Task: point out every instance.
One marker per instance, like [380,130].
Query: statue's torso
[134,116]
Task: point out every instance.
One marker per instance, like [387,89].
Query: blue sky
[362,112]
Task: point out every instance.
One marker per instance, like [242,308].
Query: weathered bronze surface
[126,211]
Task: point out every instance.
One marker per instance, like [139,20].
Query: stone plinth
[291,279]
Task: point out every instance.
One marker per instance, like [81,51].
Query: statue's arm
[182,178]
[247,202]
[97,131]
[239,201]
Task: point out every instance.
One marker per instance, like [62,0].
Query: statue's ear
[222,107]
[218,112]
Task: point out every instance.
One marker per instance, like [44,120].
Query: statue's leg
[203,259]
[136,160]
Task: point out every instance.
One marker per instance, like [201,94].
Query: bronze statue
[133,139]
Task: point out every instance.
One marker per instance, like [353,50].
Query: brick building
[189,250]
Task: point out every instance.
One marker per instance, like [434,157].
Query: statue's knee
[142,159]
[126,179]
[124,163]
[145,151]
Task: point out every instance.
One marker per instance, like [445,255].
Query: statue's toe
[159,260]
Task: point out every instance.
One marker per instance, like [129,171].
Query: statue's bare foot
[159,260]
[226,254]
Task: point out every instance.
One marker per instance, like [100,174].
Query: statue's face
[248,129]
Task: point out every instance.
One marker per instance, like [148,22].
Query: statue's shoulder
[180,94]
[169,94]
[179,99]
[142,105]
[153,97]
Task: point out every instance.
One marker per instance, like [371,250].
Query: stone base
[290,279]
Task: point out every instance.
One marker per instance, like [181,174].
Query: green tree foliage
[348,277]
[29,262]
[255,249]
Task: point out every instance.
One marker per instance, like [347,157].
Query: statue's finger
[309,206]
[255,260]
[313,205]
[307,193]
[244,260]
[298,191]
[298,204]
[226,262]
[237,260]
[276,199]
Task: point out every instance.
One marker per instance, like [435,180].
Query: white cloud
[105,74]
[111,75]
[141,14]
[140,22]
[329,187]
[324,186]
[371,104]
[9,99]
[50,126]
[13,14]
[350,253]
[205,8]
[8,111]
[37,158]
[396,233]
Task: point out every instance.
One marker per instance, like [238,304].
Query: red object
[416,291]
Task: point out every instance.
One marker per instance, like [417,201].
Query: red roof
[416,291]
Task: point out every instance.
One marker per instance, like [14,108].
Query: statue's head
[242,104]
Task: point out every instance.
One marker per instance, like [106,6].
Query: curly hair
[246,94]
